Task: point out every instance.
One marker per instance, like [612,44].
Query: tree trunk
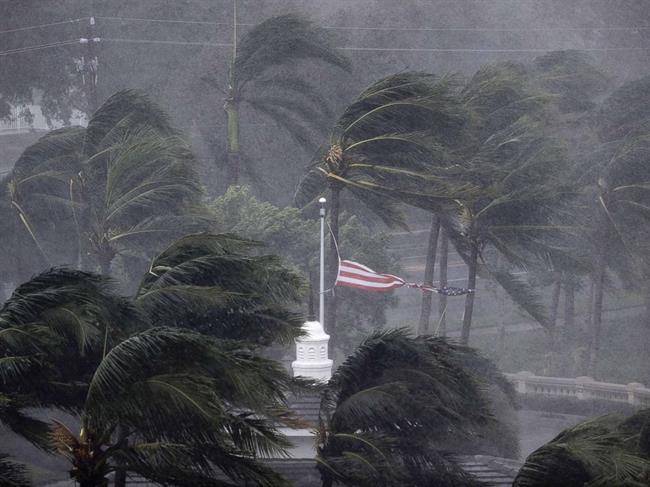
[120,478]
[646,302]
[120,471]
[597,312]
[569,305]
[333,267]
[469,299]
[590,306]
[442,299]
[552,321]
[429,268]
[234,160]
[555,302]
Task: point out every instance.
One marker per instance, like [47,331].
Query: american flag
[353,274]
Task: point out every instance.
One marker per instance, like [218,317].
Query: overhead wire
[344,48]
[42,26]
[19,50]
[432,29]
[167,21]
[154,41]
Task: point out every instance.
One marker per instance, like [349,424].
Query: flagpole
[321,302]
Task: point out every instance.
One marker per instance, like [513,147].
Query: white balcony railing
[582,388]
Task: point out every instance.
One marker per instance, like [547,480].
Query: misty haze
[325,243]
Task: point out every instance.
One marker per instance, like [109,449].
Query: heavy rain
[325,243]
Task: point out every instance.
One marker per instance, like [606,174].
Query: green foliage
[211,283]
[67,341]
[12,474]
[572,77]
[609,450]
[54,330]
[263,75]
[229,400]
[282,40]
[395,127]
[123,184]
[399,406]
[289,234]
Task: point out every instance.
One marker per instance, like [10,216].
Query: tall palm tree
[375,147]
[262,76]
[398,407]
[609,450]
[517,171]
[119,184]
[501,185]
[617,198]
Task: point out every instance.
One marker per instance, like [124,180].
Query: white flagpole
[321,302]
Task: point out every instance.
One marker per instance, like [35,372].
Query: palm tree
[53,330]
[212,284]
[502,185]
[64,343]
[616,197]
[376,145]
[398,407]
[609,450]
[120,184]
[262,76]
[228,400]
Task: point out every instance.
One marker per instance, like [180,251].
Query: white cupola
[312,355]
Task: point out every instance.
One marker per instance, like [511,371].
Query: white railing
[582,388]
[14,124]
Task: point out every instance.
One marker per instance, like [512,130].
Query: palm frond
[12,474]
[280,40]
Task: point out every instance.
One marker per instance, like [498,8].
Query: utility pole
[88,66]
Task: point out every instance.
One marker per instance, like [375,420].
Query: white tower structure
[312,354]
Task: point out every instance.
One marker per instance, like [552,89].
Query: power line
[426,29]
[167,21]
[487,29]
[532,50]
[20,50]
[152,41]
[343,48]
[30,27]
[404,49]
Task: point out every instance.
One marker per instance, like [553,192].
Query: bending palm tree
[287,99]
[503,190]
[617,198]
[610,450]
[119,184]
[211,284]
[377,145]
[226,397]
[54,329]
[393,413]
[62,346]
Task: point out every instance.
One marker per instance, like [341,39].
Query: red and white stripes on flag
[353,274]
